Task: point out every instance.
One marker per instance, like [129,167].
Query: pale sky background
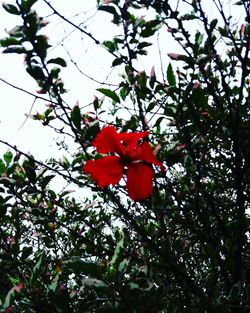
[93,61]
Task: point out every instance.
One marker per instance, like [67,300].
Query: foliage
[186,247]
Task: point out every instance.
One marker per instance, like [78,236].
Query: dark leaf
[16,32]
[223,32]
[9,41]
[235,292]
[159,120]
[117,61]
[188,17]
[8,155]
[110,9]
[83,267]
[110,45]
[199,97]
[64,162]
[27,4]
[54,73]
[143,45]
[36,72]
[15,49]
[58,61]
[10,8]
[213,24]
[92,131]
[109,93]
[170,76]
[116,259]
[96,104]
[76,117]
[45,180]
[151,106]
[26,252]
[94,283]
[2,167]
[30,171]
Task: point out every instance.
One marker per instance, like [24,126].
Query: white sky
[93,60]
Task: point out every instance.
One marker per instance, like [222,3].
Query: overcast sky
[92,60]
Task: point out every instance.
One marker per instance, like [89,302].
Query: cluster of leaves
[184,249]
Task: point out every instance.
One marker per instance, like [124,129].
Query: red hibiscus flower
[124,151]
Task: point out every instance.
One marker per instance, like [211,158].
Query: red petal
[139,181]
[108,141]
[132,138]
[106,171]
[147,155]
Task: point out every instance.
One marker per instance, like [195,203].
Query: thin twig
[72,24]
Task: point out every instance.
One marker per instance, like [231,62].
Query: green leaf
[45,180]
[123,266]
[223,32]
[41,43]
[198,38]
[239,2]
[11,295]
[159,120]
[64,162]
[115,261]
[149,28]
[235,292]
[6,181]
[8,155]
[54,283]
[248,292]
[142,79]
[9,41]
[117,61]
[109,93]
[76,117]
[36,269]
[213,24]
[188,17]
[143,45]
[37,266]
[80,266]
[182,57]
[110,9]
[36,72]
[199,97]
[96,103]
[2,167]
[133,286]
[32,20]
[124,91]
[15,49]
[170,76]
[16,32]
[10,8]
[27,4]
[110,45]
[26,252]
[92,282]
[54,73]
[151,106]
[132,123]
[92,131]
[58,61]
[30,171]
